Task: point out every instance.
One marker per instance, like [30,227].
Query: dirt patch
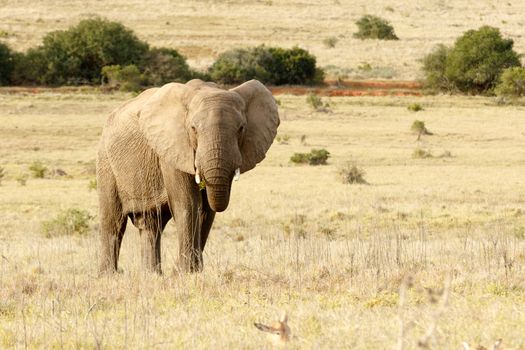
[332,88]
[355,88]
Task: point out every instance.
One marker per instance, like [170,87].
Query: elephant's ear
[262,121]
[162,120]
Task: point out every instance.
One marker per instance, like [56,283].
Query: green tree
[164,65]
[477,59]
[270,65]
[77,55]
[6,64]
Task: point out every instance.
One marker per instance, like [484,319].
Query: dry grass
[202,29]
[293,238]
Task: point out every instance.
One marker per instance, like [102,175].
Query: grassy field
[203,29]
[428,254]
[294,237]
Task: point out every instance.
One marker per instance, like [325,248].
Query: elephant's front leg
[185,205]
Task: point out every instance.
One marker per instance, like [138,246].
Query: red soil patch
[355,88]
[332,88]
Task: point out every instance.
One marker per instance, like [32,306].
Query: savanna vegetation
[409,234]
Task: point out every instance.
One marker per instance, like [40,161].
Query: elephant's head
[212,133]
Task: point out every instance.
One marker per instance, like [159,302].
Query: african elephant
[173,151]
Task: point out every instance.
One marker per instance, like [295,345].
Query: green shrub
[474,64]
[319,157]
[294,66]
[512,83]
[270,65]
[330,42]
[300,158]
[421,153]
[22,179]
[316,103]
[77,55]
[38,169]
[415,107]
[29,68]
[350,173]
[92,184]
[434,67]
[418,127]
[315,157]
[127,78]
[6,64]
[163,65]
[67,222]
[373,27]
[239,65]
[282,139]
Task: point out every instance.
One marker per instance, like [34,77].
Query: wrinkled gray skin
[150,150]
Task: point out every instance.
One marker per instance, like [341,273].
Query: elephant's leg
[151,226]
[206,216]
[112,224]
[184,202]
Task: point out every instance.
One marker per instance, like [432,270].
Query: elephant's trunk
[218,197]
[218,179]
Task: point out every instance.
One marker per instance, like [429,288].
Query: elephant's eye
[241,129]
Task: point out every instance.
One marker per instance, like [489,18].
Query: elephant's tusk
[197,178]
[237,174]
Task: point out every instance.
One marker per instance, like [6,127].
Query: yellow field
[293,238]
[203,29]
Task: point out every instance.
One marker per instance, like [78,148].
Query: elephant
[173,152]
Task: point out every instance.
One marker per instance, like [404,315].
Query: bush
[421,153]
[67,222]
[239,65]
[282,139]
[434,67]
[315,157]
[92,184]
[38,169]
[164,65]
[300,158]
[6,64]
[270,65]
[318,157]
[474,64]
[512,83]
[330,42]
[350,173]
[373,27]
[127,78]
[22,179]
[415,107]
[29,68]
[77,55]
[419,128]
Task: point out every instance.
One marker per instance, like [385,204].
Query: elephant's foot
[107,267]
[151,261]
[190,263]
